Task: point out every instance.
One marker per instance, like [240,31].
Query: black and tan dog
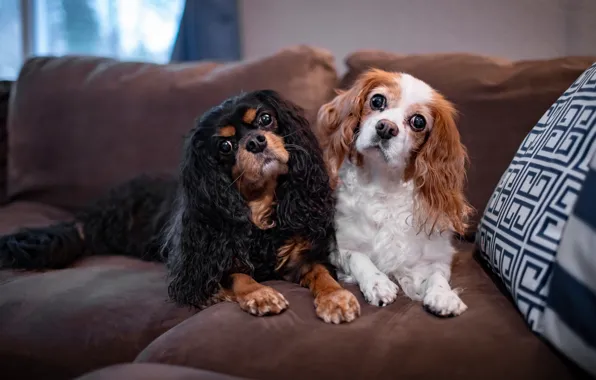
[252,203]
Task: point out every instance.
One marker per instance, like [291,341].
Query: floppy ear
[207,229]
[305,200]
[337,122]
[439,174]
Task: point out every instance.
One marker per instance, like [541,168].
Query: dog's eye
[265,120]
[225,147]
[417,122]
[378,102]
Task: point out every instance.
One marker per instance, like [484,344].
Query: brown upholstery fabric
[5,87]
[78,125]
[149,371]
[499,102]
[64,323]
[489,341]
[16,215]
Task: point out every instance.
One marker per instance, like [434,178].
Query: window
[140,30]
[11,48]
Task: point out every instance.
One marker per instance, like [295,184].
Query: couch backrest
[80,125]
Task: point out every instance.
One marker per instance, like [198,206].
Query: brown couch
[78,125]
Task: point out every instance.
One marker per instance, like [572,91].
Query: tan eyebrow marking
[249,115]
[227,131]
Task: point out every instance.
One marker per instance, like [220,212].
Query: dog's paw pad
[337,307]
[263,301]
[444,303]
[379,290]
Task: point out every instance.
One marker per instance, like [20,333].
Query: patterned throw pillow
[569,318]
[538,231]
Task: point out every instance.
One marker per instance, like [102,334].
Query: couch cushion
[489,341]
[499,101]
[80,125]
[520,234]
[64,323]
[148,371]
[570,308]
[16,215]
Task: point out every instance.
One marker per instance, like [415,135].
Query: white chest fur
[376,218]
[379,241]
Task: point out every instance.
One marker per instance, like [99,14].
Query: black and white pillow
[538,231]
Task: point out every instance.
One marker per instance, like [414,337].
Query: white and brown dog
[398,166]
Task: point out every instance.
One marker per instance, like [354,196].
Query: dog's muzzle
[386,129]
[256,144]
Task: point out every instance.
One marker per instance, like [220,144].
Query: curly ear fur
[439,172]
[306,204]
[206,232]
[305,200]
[338,121]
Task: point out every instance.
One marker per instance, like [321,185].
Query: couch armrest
[5,87]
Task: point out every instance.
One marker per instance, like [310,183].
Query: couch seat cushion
[148,371]
[489,341]
[63,323]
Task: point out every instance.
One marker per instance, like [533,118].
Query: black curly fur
[50,247]
[127,221]
[200,224]
[211,231]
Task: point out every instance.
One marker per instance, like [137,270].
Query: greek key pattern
[521,228]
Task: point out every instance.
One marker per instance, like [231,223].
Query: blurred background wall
[163,31]
[515,29]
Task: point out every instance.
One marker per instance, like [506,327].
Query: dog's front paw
[443,303]
[379,290]
[337,307]
[263,301]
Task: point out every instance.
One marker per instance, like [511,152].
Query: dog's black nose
[256,144]
[386,129]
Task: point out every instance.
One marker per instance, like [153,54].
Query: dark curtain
[209,30]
